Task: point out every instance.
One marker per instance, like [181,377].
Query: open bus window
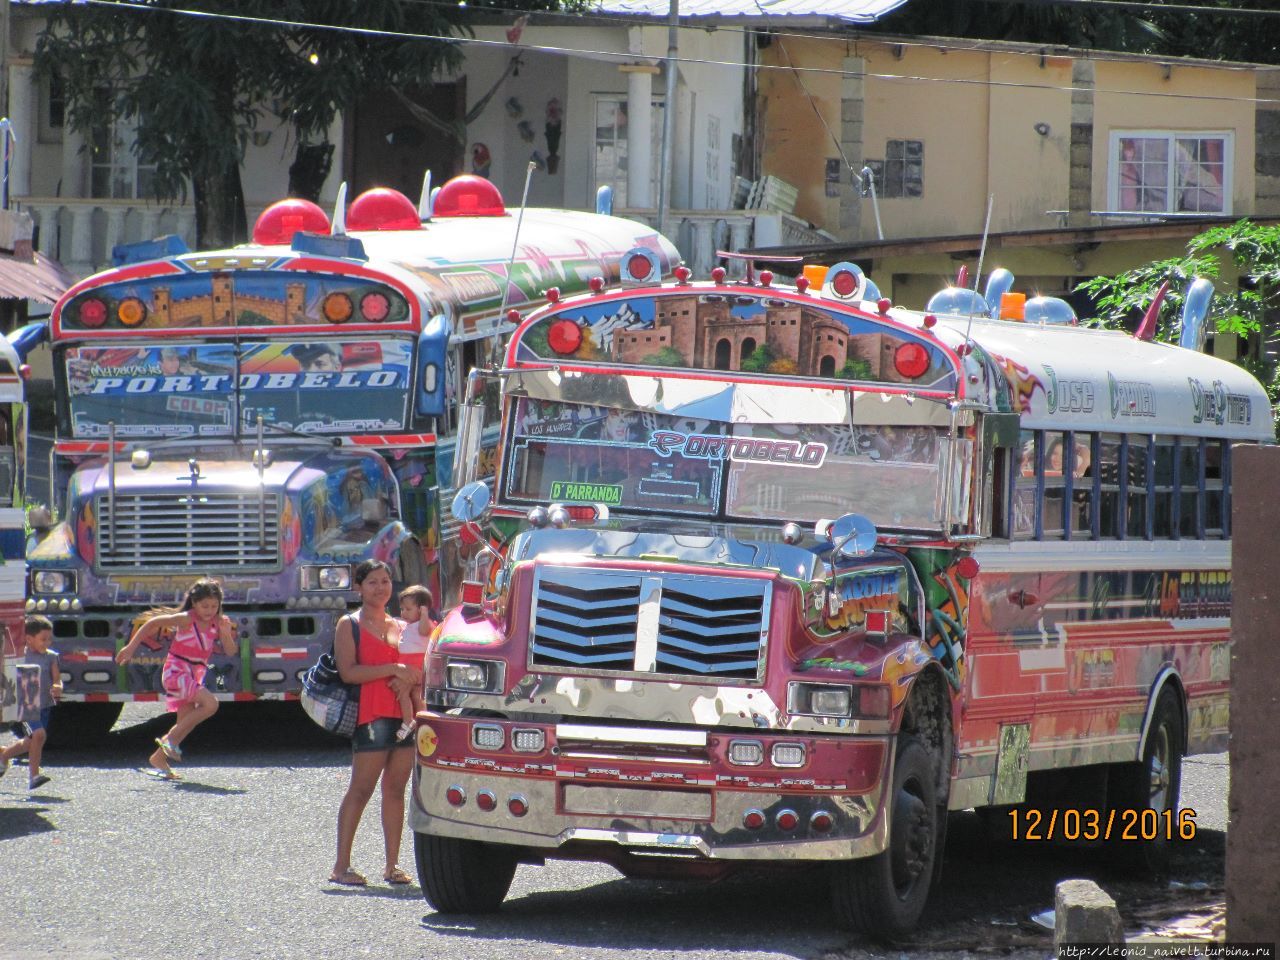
[1136,492]
[1215,454]
[1189,477]
[806,472]
[1024,487]
[1164,490]
[1082,487]
[1054,486]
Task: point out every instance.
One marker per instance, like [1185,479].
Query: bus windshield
[649,462]
[176,389]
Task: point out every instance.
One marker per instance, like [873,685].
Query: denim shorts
[379,734]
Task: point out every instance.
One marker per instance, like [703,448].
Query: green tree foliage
[197,86]
[1240,307]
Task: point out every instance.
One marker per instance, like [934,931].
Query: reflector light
[472,592]
[374,306]
[788,755]
[967,568]
[383,208]
[596,284]
[718,274]
[877,622]
[131,312]
[821,821]
[766,277]
[802,284]
[564,337]
[513,315]
[682,274]
[582,513]
[553,294]
[518,806]
[930,320]
[280,221]
[337,308]
[753,819]
[873,700]
[93,312]
[485,736]
[486,801]
[746,753]
[638,267]
[468,196]
[456,796]
[844,283]
[787,820]
[911,360]
[884,304]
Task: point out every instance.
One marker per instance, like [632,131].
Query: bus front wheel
[463,876]
[884,896]
[1154,782]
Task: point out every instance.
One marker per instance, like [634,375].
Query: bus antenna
[982,252]
[511,265]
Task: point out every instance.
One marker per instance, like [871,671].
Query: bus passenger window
[1024,490]
[1109,506]
[1054,486]
[1162,528]
[1082,487]
[1215,452]
[1137,494]
[1189,486]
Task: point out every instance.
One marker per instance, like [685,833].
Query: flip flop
[397,877]
[156,773]
[348,878]
[170,751]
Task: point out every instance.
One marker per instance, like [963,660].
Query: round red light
[821,821]
[280,221]
[486,801]
[717,274]
[883,304]
[553,294]
[766,277]
[564,337]
[639,267]
[967,568]
[787,820]
[911,360]
[468,196]
[682,274]
[513,315]
[596,284]
[802,284]
[375,306]
[383,208]
[844,283]
[930,321]
[753,819]
[456,796]
[517,806]
[93,313]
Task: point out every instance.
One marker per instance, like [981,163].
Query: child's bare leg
[407,711]
[35,749]
[15,749]
[418,705]
[195,713]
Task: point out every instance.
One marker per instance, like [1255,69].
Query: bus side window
[1216,453]
[1165,504]
[1189,522]
[1110,507]
[1054,486]
[1136,494]
[1082,487]
[1024,487]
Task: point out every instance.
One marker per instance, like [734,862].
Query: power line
[1145,7]
[631,57]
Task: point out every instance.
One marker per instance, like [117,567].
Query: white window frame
[622,196]
[1114,162]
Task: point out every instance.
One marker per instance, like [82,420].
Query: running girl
[196,625]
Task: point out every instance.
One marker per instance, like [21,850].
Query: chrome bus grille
[649,624]
[161,530]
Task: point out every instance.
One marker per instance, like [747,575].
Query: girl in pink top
[196,626]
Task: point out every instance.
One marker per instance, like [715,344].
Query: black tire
[463,876]
[884,896]
[76,725]
[1154,782]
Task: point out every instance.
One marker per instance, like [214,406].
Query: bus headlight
[326,578]
[53,581]
[475,676]
[863,700]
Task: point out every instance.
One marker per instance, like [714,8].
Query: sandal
[348,878]
[405,732]
[397,876]
[159,773]
[170,750]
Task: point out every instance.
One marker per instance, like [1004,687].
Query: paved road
[106,863]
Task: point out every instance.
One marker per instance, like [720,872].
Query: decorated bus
[13,440]
[270,415]
[781,575]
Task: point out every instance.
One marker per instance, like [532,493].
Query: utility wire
[630,57]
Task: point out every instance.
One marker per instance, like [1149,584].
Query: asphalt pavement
[104,863]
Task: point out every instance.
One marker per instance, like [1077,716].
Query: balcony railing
[698,234]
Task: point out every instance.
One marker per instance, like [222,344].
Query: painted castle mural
[747,334]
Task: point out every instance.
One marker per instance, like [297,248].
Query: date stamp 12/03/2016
[1088,824]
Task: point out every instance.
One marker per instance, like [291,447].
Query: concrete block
[1084,913]
[851,111]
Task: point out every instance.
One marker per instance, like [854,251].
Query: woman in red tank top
[366,647]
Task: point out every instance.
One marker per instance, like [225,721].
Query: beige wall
[976,113]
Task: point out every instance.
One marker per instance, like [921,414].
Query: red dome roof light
[468,196]
[279,222]
[383,208]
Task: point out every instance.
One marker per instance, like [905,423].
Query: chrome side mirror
[40,518]
[853,535]
[470,503]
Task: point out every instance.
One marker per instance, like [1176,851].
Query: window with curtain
[609,159]
[1170,172]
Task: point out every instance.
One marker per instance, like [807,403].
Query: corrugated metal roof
[854,11]
[39,279]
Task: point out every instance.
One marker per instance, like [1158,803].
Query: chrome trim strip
[594,734]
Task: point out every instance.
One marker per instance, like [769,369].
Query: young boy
[39,634]
[415,610]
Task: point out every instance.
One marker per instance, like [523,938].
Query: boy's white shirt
[411,641]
